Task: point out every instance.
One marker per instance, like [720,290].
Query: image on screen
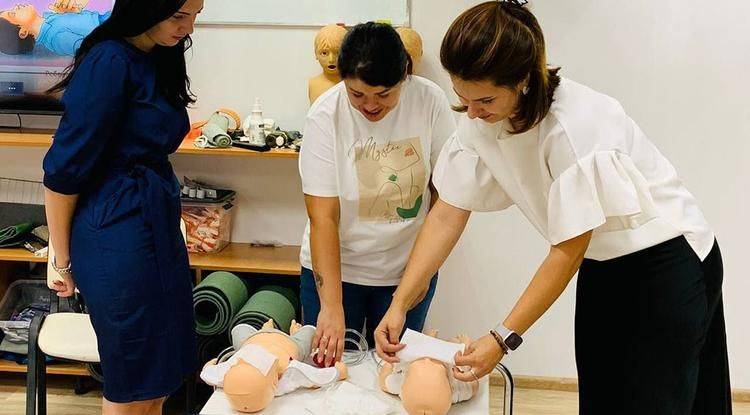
[38,39]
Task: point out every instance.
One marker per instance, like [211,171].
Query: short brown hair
[502,42]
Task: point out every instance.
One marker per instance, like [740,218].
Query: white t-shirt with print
[380,171]
[585,166]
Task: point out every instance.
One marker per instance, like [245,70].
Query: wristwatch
[508,339]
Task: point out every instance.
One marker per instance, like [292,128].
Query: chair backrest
[52,275]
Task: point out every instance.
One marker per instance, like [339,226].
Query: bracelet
[499,341]
[62,271]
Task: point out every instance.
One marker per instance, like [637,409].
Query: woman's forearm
[59,209]
[441,230]
[326,258]
[548,283]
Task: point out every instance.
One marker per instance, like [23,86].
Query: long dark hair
[131,18]
[375,54]
[501,41]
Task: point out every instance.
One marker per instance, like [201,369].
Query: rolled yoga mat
[209,347]
[216,300]
[270,302]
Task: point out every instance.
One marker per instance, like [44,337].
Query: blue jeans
[364,306]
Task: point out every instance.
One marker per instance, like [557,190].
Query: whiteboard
[303,12]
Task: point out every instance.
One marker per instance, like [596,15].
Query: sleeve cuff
[66,187]
[320,192]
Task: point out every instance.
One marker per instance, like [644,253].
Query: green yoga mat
[209,347]
[270,302]
[11,235]
[216,300]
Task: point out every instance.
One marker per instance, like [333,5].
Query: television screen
[38,39]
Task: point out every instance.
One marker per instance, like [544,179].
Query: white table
[363,375]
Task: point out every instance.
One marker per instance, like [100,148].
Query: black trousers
[650,335]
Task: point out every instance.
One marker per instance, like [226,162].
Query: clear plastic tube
[353,357]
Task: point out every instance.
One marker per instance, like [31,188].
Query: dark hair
[11,43]
[374,53]
[502,42]
[134,17]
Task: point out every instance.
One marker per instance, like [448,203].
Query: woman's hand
[65,287]
[329,335]
[388,332]
[482,356]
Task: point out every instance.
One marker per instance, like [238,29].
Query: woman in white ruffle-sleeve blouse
[649,321]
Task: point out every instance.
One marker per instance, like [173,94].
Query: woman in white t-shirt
[370,144]
[650,335]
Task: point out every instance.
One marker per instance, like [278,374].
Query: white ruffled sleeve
[462,180]
[602,191]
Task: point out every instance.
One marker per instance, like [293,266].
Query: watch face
[513,341]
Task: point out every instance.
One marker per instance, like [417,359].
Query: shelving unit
[69,369]
[236,257]
[21,255]
[44,139]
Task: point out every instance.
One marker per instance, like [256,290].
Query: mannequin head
[247,389]
[427,386]
[426,389]
[327,46]
[413,44]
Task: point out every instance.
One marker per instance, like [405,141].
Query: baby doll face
[21,15]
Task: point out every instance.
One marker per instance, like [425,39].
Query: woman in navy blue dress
[112,198]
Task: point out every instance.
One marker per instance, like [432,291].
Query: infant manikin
[426,385]
[268,363]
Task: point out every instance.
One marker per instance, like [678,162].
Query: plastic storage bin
[208,223]
[20,295]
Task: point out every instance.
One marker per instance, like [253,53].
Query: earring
[525,90]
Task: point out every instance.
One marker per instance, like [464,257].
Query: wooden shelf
[43,140]
[71,369]
[36,140]
[239,257]
[236,257]
[18,254]
[187,147]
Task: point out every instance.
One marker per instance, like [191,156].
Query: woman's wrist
[331,306]
[400,304]
[60,261]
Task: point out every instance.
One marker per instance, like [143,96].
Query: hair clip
[519,3]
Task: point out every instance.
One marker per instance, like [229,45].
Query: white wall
[678,66]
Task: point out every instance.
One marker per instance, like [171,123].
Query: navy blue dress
[127,252]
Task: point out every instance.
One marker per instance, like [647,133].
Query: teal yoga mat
[216,301]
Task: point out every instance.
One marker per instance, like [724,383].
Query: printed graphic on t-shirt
[392,178]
